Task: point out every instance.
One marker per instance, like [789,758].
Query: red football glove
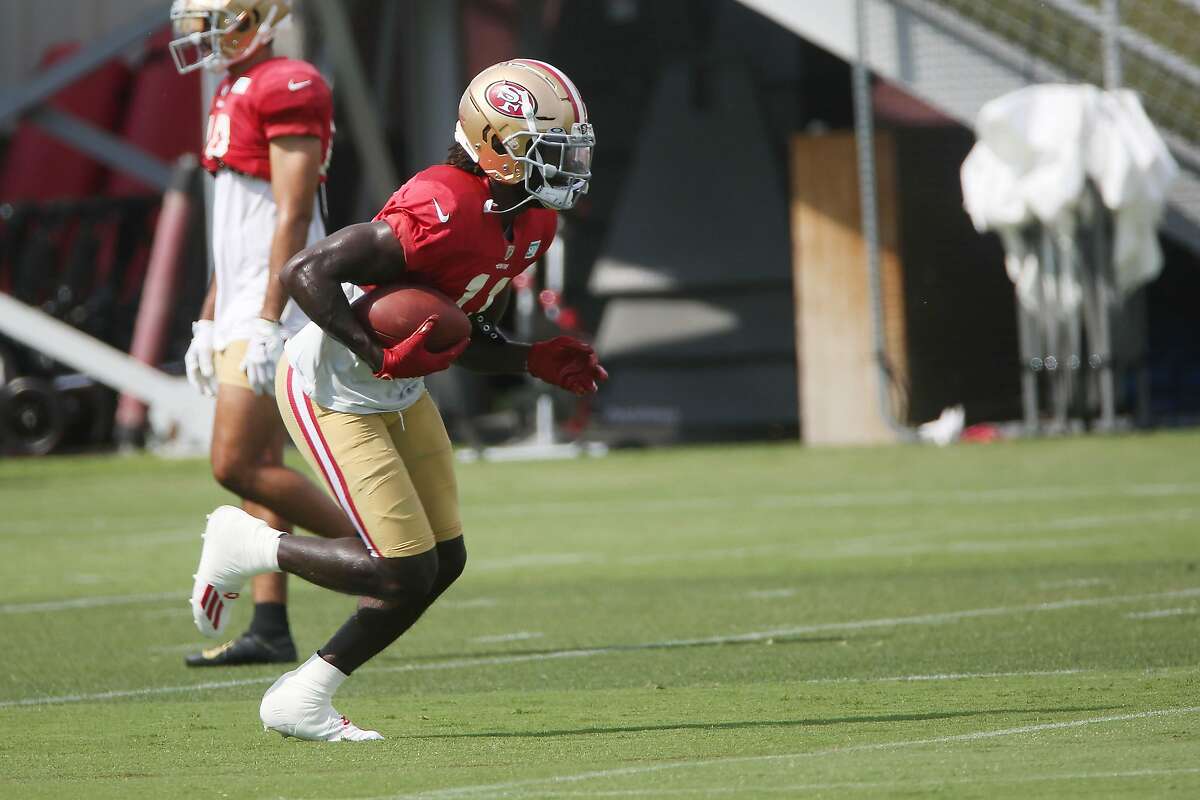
[410,359]
[568,363]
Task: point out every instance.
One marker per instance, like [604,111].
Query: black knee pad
[409,580]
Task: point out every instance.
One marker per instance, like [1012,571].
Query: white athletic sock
[262,549]
[323,677]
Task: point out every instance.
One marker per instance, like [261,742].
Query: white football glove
[201,373]
[262,354]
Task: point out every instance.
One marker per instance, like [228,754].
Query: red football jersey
[453,246]
[278,97]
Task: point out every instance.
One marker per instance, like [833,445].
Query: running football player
[267,145]
[360,412]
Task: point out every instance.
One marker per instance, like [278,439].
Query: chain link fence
[1150,46]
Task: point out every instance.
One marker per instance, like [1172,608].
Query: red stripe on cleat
[207,591]
[217,620]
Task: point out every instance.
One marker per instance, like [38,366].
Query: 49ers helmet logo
[507,97]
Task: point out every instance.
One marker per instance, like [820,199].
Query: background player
[267,144]
[361,413]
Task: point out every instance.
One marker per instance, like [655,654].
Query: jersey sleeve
[295,102]
[422,215]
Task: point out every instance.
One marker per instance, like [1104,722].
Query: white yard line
[520,787]
[772,594]
[90,602]
[1159,613]
[716,791]
[955,676]
[148,523]
[839,499]
[847,548]
[519,636]
[592,652]
[859,547]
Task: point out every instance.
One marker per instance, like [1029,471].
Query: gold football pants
[392,473]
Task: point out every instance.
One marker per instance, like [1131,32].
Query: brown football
[394,312]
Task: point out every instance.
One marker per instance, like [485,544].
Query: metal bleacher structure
[953,55]
[958,54]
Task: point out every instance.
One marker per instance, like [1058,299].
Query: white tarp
[1037,149]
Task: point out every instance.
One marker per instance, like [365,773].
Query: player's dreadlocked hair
[458,157]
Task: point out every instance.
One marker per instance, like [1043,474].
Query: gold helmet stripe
[572,93]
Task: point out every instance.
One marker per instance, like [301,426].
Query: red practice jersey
[278,97]
[451,245]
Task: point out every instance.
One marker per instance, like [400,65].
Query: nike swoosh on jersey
[442,216]
[295,87]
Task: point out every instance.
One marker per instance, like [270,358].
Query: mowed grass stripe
[791,789]
[907,542]
[514,788]
[937,618]
[942,572]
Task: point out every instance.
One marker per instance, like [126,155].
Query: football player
[360,412]
[267,145]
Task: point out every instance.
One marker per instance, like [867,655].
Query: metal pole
[1112,44]
[1028,337]
[44,85]
[1101,262]
[110,150]
[864,137]
[433,82]
[1100,360]
[380,177]
[158,293]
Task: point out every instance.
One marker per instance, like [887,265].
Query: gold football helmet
[523,121]
[215,34]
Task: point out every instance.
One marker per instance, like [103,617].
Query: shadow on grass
[815,722]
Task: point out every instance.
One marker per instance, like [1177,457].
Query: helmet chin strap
[489,206]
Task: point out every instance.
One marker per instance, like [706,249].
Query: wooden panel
[839,380]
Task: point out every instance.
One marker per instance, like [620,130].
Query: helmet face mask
[216,34]
[525,124]
[558,165]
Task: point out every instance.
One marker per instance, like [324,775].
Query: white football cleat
[299,704]
[233,551]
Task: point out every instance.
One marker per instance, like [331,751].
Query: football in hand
[393,313]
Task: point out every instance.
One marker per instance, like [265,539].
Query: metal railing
[1150,46]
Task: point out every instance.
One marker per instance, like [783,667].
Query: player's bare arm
[363,254]
[295,175]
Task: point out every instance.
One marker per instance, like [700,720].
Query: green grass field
[981,621]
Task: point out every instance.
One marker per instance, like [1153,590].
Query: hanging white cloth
[1037,150]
